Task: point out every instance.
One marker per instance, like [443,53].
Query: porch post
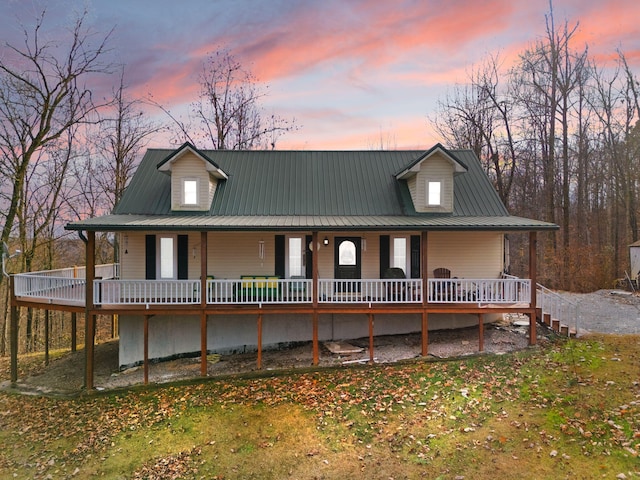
[90,318]
[203,304]
[425,295]
[14,332]
[533,275]
[74,330]
[481,332]
[146,349]
[316,251]
[260,341]
[370,337]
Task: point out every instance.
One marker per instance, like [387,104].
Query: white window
[434,192]
[167,257]
[190,191]
[399,257]
[295,257]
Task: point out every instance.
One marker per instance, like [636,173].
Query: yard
[567,409]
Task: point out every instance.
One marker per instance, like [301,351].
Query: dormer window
[190,191]
[434,193]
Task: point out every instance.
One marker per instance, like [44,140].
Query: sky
[354,74]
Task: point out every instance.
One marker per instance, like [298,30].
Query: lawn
[570,409]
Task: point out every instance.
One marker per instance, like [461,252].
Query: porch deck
[68,287]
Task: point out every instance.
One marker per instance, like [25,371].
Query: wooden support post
[425,294]
[46,337]
[259,341]
[145,360]
[90,318]
[481,332]
[371,338]
[314,243]
[203,304]
[14,333]
[533,244]
[74,331]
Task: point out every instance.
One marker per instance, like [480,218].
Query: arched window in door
[347,253]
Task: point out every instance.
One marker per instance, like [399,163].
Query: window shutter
[384,254]
[415,256]
[308,256]
[150,257]
[183,257]
[279,254]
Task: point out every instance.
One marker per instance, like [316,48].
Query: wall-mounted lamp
[325,242]
[6,256]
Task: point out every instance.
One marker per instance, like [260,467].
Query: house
[229,251]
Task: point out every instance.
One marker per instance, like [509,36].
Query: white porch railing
[560,309]
[63,284]
[259,291]
[370,291]
[497,290]
[146,292]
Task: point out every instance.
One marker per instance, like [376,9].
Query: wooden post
[14,333]
[371,338]
[89,315]
[145,337]
[259,341]
[46,337]
[533,275]
[316,252]
[425,294]
[74,331]
[481,332]
[203,304]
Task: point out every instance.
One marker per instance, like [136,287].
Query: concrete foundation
[173,336]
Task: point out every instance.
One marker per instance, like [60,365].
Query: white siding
[189,166]
[466,254]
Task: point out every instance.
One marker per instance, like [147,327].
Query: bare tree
[42,96]
[227,113]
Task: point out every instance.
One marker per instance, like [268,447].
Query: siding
[232,254]
[435,168]
[190,166]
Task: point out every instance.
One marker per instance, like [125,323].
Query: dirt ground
[65,375]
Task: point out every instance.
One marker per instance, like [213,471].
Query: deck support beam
[203,304]
[314,269]
[146,349]
[533,246]
[371,338]
[260,341]
[425,294]
[74,331]
[14,333]
[90,318]
[480,332]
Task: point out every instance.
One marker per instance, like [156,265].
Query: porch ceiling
[306,223]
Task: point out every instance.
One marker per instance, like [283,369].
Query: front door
[347,262]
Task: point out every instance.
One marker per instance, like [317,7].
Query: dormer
[430,180]
[194,179]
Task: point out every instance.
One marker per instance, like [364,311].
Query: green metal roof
[309,189]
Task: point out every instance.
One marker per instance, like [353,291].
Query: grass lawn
[570,409]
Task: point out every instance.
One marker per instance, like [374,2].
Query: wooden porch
[97,290]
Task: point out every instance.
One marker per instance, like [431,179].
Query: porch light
[6,256]
[326,241]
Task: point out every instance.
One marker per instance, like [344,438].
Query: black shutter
[415,256]
[308,255]
[384,254]
[183,257]
[279,254]
[150,257]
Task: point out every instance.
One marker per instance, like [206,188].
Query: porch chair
[442,273]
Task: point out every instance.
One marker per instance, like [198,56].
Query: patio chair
[442,273]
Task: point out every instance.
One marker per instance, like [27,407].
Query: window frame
[440,184]
[406,267]
[174,257]
[288,258]
[183,199]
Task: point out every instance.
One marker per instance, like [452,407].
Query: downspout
[83,237]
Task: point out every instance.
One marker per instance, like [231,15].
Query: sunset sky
[351,73]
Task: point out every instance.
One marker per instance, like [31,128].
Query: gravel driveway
[607,311]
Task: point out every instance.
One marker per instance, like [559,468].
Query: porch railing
[63,284]
[258,291]
[559,309]
[370,291]
[498,290]
[146,292]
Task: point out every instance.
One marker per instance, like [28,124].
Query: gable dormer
[194,178]
[430,180]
